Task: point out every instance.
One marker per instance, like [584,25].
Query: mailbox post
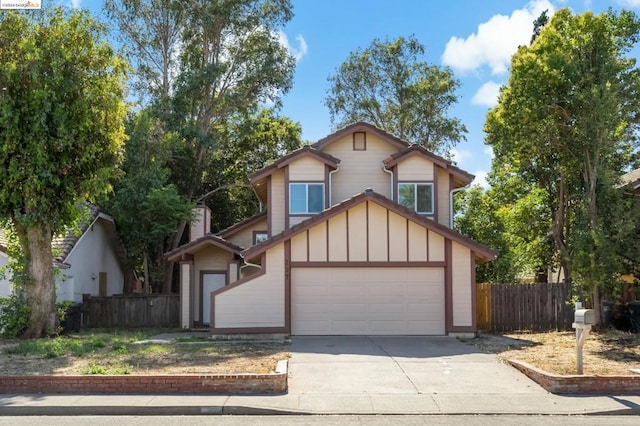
[583,320]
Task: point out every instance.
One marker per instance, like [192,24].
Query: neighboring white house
[5,276]
[89,260]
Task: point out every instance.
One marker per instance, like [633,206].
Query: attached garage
[372,301]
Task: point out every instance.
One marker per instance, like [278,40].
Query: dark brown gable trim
[287,225]
[367,264]
[269,209]
[388,238]
[448,286]
[436,195]
[347,238]
[360,126]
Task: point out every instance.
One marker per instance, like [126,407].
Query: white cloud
[460,155]
[297,52]
[488,151]
[76,4]
[629,3]
[495,41]
[487,95]
[481,179]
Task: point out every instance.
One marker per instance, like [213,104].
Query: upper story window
[260,236]
[416,196]
[305,198]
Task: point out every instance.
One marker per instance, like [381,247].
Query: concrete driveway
[399,365]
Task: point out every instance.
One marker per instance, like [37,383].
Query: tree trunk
[558,229]
[40,288]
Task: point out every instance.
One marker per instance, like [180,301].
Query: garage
[367,301]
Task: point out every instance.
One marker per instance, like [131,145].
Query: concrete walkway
[358,375]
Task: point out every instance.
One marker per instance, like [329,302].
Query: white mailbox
[585,316]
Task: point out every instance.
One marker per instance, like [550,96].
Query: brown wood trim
[376,264]
[269,209]
[449,204]
[394,190]
[427,242]
[308,248]
[287,286]
[474,307]
[247,330]
[326,187]
[388,238]
[347,232]
[287,207]
[365,141]
[448,286]
[327,243]
[408,245]
[366,221]
[435,192]
[201,290]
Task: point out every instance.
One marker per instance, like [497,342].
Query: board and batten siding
[244,238]
[209,259]
[259,302]
[359,170]
[367,232]
[415,169]
[277,202]
[461,285]
[442,191]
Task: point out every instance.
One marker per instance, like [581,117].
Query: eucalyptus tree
[391,86]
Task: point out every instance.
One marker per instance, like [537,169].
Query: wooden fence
[535,307]
[131,311]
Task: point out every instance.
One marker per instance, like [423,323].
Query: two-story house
[356,239]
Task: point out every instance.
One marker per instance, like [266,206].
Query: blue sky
[476,38]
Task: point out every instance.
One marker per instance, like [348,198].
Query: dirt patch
[127,356]
[609,353]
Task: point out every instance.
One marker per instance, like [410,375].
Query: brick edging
[580,384]
[226,384]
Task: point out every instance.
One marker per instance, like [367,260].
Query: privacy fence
[131,311]
[535,307]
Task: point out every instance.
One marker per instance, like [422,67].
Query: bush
[14,315]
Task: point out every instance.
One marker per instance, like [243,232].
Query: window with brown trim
[259,236]
[416,196]
[359,141]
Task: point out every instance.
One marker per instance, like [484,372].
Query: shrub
[14,315]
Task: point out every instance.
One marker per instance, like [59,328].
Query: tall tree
[61,132]
[389,85]
[567,120]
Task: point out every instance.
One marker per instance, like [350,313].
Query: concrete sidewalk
[465,403]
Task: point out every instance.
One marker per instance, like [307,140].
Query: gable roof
[234,229]
[199,243]
[358,127]
[631,179]
[64,243]
[412,150]
[482,252]
[306,150]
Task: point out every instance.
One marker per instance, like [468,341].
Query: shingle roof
[195,245]
[442,162]
[359,126]
[631,179]
[233,229]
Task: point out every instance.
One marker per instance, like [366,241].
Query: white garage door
[367,301]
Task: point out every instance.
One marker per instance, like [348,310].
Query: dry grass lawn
[607,353]
[127,353]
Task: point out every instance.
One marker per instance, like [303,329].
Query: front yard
[127,352]
[606,353]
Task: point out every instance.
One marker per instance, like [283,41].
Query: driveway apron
[398,365]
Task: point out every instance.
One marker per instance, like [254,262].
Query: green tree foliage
[389,85]
[146,207]
[61,133]
[565,123]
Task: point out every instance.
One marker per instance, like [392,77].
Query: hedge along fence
[536,307]
[131,311]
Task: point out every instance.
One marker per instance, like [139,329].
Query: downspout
[253,188]
[384,169]
[247,264]
[451,194]
[330,187]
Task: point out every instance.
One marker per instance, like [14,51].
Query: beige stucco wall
[378,234]
[258,302]
[359,170]
[415,169]
[244,238]
[211,258]
[358,233]
[306,169]
[443,196]
[461,285]
[277,202]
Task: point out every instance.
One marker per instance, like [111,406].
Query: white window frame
[307,184]
[415,196]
